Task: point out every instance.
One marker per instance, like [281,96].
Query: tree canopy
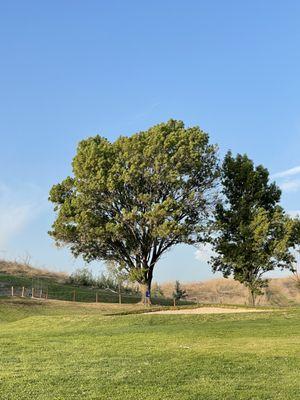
[131,200]
[253,233]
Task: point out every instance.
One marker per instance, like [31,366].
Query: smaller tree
[179,293]
[253,233]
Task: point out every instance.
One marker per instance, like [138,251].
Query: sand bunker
[210,310]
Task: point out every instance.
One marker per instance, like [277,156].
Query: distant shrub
[82,276]
[104,281]
[178,293]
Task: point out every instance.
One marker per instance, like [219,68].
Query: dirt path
[210,310]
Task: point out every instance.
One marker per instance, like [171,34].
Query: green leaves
[253,233]
[131,200]
[179,293]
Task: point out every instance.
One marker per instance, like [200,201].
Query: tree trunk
[145,289]
[252,297]
[145,284]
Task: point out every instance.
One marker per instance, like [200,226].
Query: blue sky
[72,69]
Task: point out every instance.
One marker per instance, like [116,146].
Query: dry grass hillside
[281,291]
[25,269]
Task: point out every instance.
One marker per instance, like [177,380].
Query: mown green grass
[76,351]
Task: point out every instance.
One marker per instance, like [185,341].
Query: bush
[104,281]
[82,276]
[179,293]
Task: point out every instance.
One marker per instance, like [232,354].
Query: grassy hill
[281,292]
[56,350]
[51,285]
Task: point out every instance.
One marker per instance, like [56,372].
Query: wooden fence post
[12,291]
[96,297]
[23,290]
[47,294]
[120,295]
[32,292]
[41,293]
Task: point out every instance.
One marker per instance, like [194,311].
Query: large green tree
[253,233]
[131,200]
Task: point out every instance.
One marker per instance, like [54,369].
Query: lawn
[75,351]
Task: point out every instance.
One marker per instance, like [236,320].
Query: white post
[12,291]
[23,290]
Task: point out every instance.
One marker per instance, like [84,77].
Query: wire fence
[79,294]
[43,289]
[69,294]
